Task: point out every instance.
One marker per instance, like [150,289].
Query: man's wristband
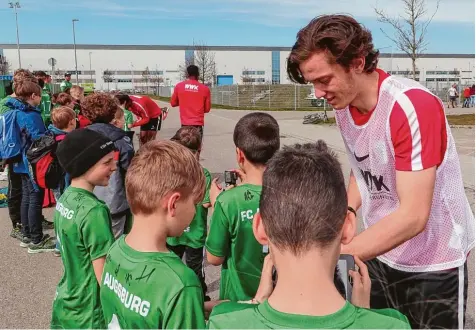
[351,209]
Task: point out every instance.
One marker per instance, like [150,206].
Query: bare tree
[4,65]
[246,77]
[204,58]
[108,77]
[156,79]
[410,28]
[146,76]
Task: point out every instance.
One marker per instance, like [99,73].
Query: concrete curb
[462,126]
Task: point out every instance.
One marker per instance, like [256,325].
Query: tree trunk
[414,68]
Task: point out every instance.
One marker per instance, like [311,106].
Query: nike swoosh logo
[360,159]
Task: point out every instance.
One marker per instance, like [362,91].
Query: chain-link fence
[285,97]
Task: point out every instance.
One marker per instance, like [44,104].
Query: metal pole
[75,56]
[90,67]
[15,6]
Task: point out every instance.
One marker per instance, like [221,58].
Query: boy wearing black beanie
[83,229]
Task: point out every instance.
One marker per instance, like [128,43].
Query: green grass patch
[467,119]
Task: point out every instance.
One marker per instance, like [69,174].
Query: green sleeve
[96,232]
[186,310]
[208,184]
[218,240]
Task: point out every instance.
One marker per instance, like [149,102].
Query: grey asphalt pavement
[28,281]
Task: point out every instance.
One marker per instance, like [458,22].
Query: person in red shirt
[193,98]
[406,175]
[467,95]
[148,113]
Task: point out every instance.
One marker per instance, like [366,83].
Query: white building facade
[138,66]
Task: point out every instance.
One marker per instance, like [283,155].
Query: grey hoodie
[114,195]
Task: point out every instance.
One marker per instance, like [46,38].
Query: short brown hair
[189,137]
[62,116]
[99,108]
[159,168]
[64,99]
[340,36]
[25,88]
[304,199]
[22,74]
[257,135]
[76,91]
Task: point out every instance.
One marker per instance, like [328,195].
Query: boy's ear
[259,230]
[171,203]
[240,156]
[349,228]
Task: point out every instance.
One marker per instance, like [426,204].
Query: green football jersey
[128,119]
[195,234]
[45,106]
[231,236]
[233,315]
[47,88]
[65,85]
[3,107]
[83,230]
[149,290]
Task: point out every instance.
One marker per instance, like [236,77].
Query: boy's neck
[254,174]
[305,285]
[82,184]
[147,234]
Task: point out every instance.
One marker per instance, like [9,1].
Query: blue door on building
[223,80]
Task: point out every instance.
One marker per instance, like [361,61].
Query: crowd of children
[124,220]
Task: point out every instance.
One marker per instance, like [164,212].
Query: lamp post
[74,44]
[15,6]
[90,67]
[132,73]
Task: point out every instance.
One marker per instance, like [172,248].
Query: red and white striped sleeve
[418,131]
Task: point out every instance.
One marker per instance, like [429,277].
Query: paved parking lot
[28,281]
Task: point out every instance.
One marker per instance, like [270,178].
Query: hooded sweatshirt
[31,126]
[114,195]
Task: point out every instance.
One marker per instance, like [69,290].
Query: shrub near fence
[283,97]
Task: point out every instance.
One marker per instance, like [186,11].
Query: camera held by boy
[145,285]
[108,119]
[83,229]
[230,240]
[304,222]
[192,240]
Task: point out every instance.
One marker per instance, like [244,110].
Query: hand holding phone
[361,285]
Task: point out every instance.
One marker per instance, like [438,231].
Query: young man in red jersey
[148,113]
[193,98]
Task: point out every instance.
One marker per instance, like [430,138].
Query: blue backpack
[10,138]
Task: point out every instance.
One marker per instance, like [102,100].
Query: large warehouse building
[123,66]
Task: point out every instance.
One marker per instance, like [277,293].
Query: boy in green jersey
[145,285]
[304,220]
[192,240]
[230,240]
[45,105]
[83,230]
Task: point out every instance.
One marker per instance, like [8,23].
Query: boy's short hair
[99,108]
[123,98]
[193,71]
[160,168]
[76,91]
[189,137]
[62,116]
[64,99]
[257,135]
[304,198]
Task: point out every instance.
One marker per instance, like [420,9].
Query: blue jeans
[31,210]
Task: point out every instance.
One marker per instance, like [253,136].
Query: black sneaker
[25,241]
[47,244]
[16,233]
[46,224]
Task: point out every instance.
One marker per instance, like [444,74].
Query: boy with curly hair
[103,111]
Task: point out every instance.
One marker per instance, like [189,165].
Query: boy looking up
[82,225]
[146,286]
[192,240]
[304,220]
[230,240]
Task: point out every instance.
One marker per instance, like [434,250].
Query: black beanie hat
[82,149]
